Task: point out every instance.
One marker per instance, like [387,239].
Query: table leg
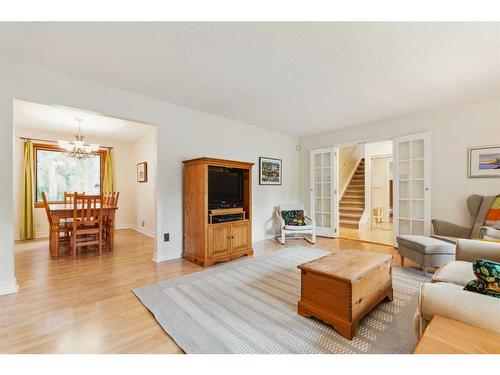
[54,236]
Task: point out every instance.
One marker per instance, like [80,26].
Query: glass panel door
[412,184]
[323,191]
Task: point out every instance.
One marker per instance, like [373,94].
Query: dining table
[61,211]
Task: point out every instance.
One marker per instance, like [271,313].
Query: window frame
[55,148]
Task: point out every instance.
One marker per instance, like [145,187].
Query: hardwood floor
[382,234]
[85,305]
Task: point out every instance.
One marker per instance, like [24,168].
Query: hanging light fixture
[78,149]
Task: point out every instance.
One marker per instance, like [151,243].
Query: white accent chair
[295,232]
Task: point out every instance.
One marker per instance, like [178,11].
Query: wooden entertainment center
[206,242]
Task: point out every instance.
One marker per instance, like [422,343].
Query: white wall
[349,158]
[183,133]
[124,164]
[372,150]
[144,200]
[380,187]
[453,130]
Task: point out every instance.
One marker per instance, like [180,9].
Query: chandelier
[78,149]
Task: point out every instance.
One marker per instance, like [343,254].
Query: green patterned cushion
[294,217]
[488,278]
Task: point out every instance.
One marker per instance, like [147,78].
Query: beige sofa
[445,295]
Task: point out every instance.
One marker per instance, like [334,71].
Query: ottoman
[426,251]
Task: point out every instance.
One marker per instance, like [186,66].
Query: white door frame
[333,230]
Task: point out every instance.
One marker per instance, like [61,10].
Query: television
[225,187]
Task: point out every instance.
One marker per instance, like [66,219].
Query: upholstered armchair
[478,206]
[307,231]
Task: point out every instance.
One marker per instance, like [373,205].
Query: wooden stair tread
[351,209]
[352,203]
[349,223]
[347,216]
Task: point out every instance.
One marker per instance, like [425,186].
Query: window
[57,173]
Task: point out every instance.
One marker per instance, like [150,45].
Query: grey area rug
[250,306]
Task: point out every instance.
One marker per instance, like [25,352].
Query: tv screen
[225,186]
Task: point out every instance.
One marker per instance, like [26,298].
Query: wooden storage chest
[343,287]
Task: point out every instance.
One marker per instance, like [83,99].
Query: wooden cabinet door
[218,240]
[240,236]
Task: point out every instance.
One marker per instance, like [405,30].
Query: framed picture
[142,172]
[484,161]
[270,171]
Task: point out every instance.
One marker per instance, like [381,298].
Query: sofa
[478,206]
[445,296]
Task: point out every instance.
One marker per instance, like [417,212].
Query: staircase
[352,203]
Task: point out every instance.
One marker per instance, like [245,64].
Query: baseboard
[145,231]
[9,287]
[159,259]
[124,226]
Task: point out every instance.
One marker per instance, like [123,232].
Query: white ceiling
[298,78]
[63,120]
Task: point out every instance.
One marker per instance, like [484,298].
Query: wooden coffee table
[341,288]
[447,336]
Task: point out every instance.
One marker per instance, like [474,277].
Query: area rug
[250,306]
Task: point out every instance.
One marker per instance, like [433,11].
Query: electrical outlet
[166,237]
[143,223]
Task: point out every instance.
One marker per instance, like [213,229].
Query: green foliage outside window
[57,173]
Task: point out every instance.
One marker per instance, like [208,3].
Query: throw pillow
[493,216]
[488,278]
[294,217]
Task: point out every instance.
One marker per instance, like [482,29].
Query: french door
[412,196]
[324,187]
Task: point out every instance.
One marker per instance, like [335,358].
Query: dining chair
[68,197]
[56,228]
[110,199]
[87,222]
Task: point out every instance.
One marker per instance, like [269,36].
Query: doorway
[372,191]
[366,192]
[124,149]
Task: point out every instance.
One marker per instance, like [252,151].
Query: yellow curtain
[107,183]
[28,208]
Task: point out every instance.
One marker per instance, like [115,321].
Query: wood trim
[219,163]
[55,148]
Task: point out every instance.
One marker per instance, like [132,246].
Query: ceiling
[63,120]
[297,78]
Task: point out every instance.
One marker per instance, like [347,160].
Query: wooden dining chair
[57,228]
[110,199]
[68,197]
[87,222]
